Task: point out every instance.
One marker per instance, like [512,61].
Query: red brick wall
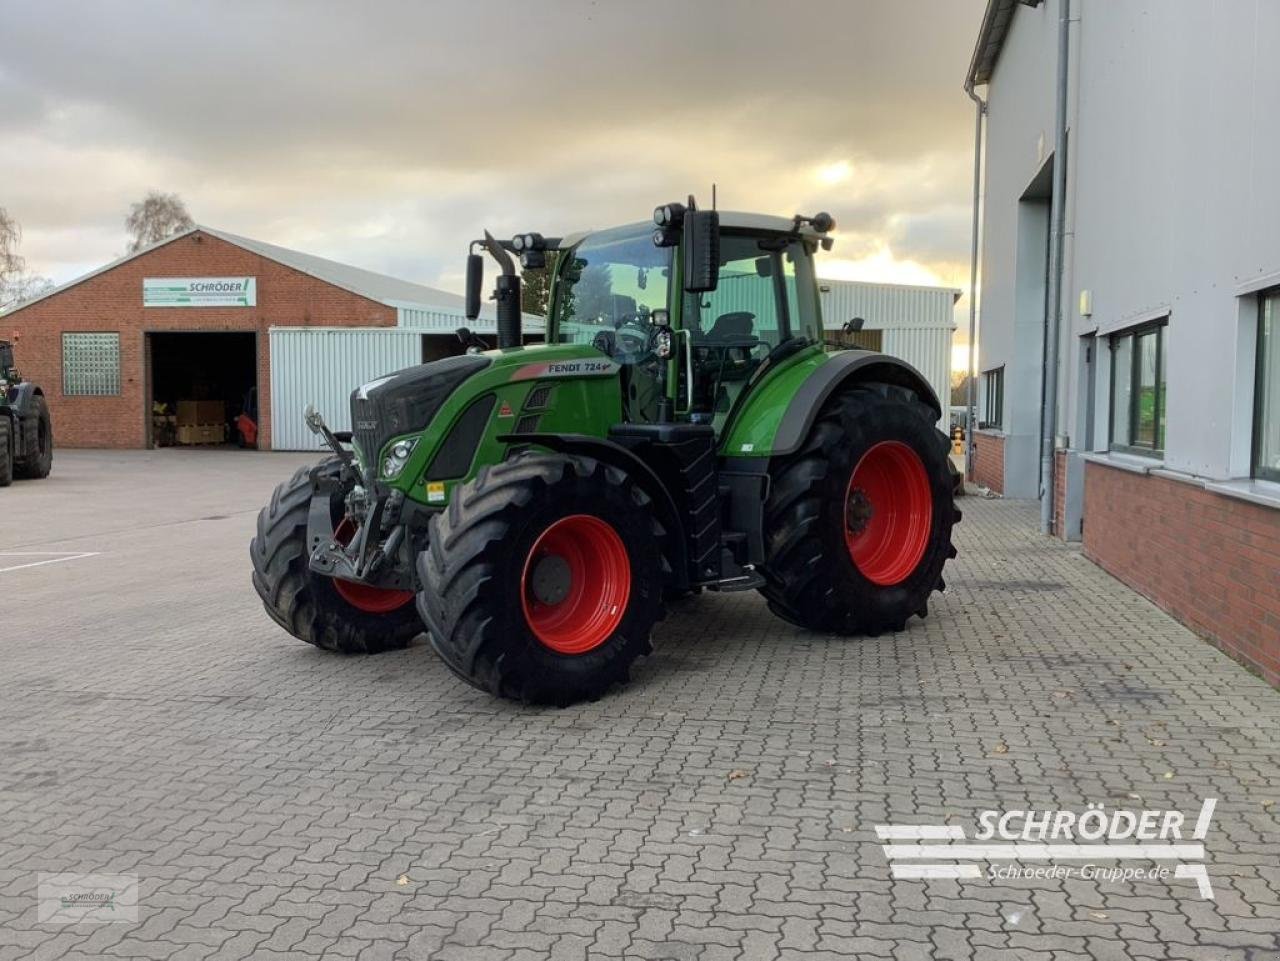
[988,461]
[1213,562]
[112,301]
[1059,492]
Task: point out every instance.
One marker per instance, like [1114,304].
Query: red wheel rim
[575,584]
[888,512]
[371,600]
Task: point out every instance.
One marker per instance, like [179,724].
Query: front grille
[405,402]
[528,424]
[364,427]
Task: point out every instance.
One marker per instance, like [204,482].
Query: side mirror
[475,277]
[701,250]
[313,419]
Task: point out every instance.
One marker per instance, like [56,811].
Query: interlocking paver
[280,802]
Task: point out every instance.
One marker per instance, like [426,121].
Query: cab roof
[731,219]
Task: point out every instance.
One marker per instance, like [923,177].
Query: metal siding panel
[917,322]
[928,351]
[444,320]
[321,366]
[885,306]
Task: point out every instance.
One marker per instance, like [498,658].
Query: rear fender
[20,398]
[844,369]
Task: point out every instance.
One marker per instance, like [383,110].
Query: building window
[1138,390]
[90,365]
[993,399]
[1266,426]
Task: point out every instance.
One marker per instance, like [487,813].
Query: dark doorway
[200,384]
[438,346]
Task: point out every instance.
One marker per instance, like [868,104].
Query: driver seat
[731,339]
[734,329]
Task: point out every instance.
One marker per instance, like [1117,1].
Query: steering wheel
[634,337]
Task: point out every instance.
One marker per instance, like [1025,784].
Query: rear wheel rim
[888,513]
[363,597]
[575,584]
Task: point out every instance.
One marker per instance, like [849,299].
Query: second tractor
[26,432]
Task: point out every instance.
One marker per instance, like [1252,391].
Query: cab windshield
[612,281]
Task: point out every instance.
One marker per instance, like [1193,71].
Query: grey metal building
[1165,418]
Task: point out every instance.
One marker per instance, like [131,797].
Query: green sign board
[200,292]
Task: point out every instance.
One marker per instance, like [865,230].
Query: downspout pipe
[1053,313]
[971,419]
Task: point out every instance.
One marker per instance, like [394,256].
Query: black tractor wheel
[858,521]
[330,613]
[6,450]
[39,459]
[543,579]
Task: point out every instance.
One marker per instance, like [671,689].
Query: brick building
[1166,408]
[188,319]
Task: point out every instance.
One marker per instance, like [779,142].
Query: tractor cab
[692,308]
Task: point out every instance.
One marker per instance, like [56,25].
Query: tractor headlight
[668,215]
[397,457]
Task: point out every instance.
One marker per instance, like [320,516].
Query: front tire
[39,461]
[310,606]
[543,579]
[858,521]
[6,450]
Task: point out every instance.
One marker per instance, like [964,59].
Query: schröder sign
[199,292]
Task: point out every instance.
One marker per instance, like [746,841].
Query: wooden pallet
[195,434]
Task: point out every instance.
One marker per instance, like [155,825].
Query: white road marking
[51,557]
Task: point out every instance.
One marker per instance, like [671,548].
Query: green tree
[535,290]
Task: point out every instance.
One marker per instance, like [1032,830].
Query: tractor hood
[405,402]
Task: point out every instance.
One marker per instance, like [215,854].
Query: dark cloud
[387,133]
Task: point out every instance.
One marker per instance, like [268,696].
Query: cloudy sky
[387,134]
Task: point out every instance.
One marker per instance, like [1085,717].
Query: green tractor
[682,427]
[26,433]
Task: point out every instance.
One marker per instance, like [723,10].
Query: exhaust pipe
[506,294]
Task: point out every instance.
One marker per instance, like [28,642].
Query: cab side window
[734,327]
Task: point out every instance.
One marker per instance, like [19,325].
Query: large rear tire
[38,462]
[858,521]
[543,579]
[6,450]
[310,606]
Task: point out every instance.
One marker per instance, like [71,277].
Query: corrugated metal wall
[928,351]
[321,366]
[917,323]
[446,320]
[884,306]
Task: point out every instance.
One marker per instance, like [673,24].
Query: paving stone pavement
[278,802]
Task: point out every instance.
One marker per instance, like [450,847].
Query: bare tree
[157,216]
[11,262]
[16,285]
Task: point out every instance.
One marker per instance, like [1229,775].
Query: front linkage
[368,546]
